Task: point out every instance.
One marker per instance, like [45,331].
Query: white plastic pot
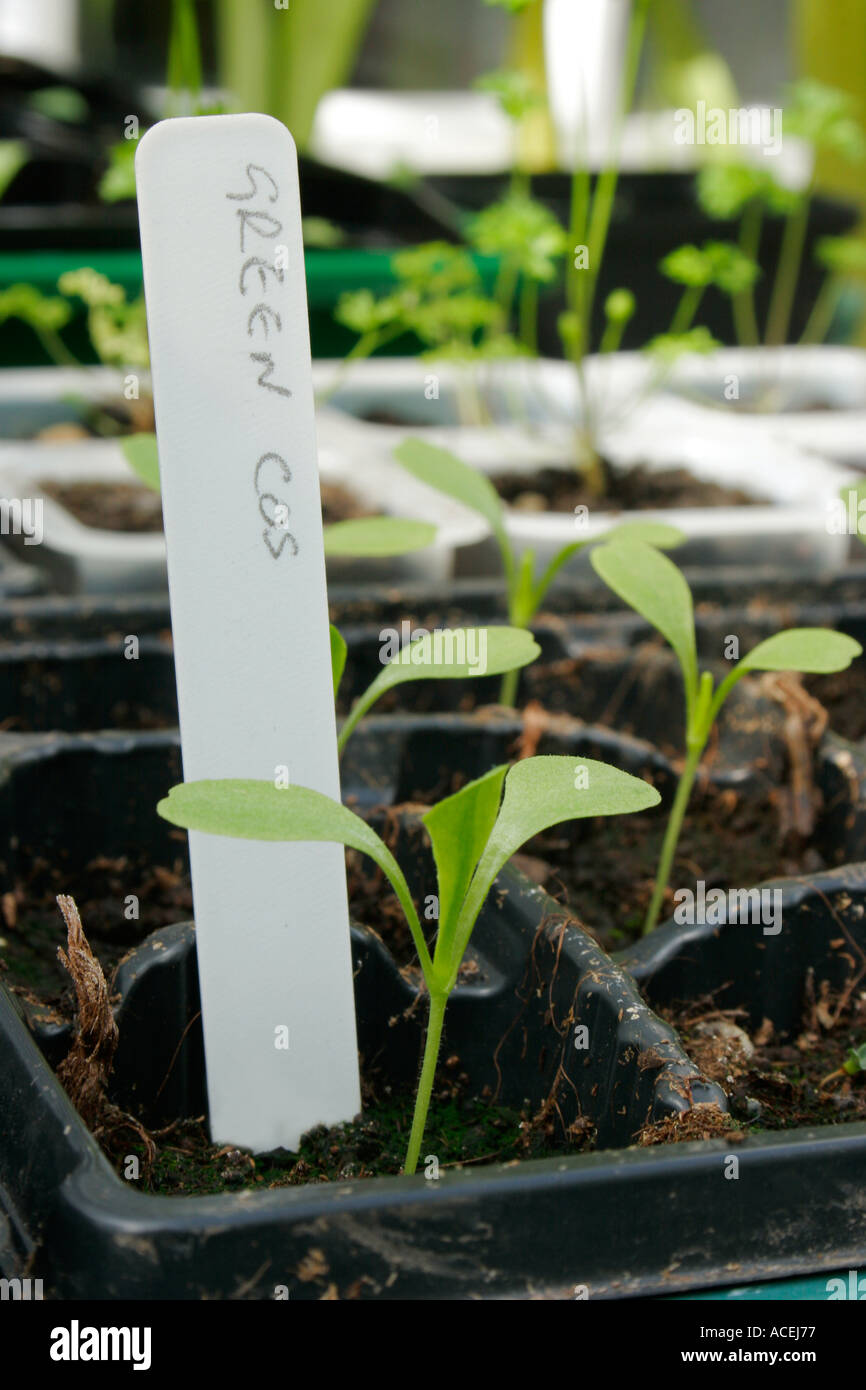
[86,559]
[660,430]
[813,396]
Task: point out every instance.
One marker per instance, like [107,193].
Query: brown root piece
[85,1070]
[702,1121]
[804,723]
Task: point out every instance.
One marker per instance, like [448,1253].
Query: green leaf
[377,536]
[856,1060]
[523,605]
[459,828]
[441,469]
[515,90]
[656,533]
[687,265]
[733,271]
[448,654]
[118,182]
[525,232]
[13,157]
[620,306]
[842,255]
[338,656]
[318,232]
[652,585]
[669,346]
[539,793]
[251,810]
[813,650]
[142,456]
[40,311]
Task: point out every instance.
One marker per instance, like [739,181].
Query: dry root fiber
[85,1070]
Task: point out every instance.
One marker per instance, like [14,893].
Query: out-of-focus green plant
[117,326]
[283,61]
[826,118]
[720,265]
[844,260]
[47,315]
[530,243]
[440,298]
[13,157]
[589,224]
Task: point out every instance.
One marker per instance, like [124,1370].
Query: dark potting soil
[132,507]
[776,1083]
[635,489]
[727,841]
[108,506]
[31,927]
[462,1129]
[102,420]
[843,695]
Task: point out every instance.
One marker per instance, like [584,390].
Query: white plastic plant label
[227,319]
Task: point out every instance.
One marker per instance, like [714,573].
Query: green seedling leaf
[252,810]
[377,536]
[140,451]
[813,650]
[459,828]
[653,586]
[338,656]
[856,1060]
[539,793]
[441,469]
[448,654]
[656,533]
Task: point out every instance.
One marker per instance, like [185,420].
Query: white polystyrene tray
[660,430]
[92,560]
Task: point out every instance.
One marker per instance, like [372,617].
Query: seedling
[824,116]
[589,224]
[449,654]
[717,264]
[854,1065]
[439,298]
[653,586]
[472,836]
[524,591]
